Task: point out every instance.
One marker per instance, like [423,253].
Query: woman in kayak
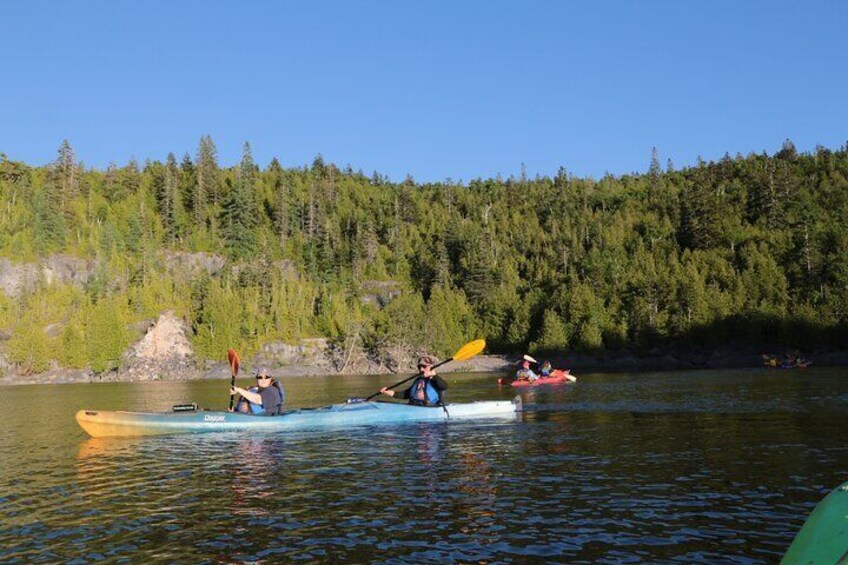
[426,390]
[525,373]
[545,369]
[267,398]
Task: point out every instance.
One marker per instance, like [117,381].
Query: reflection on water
[690,467]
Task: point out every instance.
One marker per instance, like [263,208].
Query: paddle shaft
[376,394]
[232,356]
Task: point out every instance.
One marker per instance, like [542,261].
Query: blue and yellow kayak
[100,423]
[824,536]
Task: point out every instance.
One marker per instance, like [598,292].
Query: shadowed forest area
[749,250]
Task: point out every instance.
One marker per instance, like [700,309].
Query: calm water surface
[712,467]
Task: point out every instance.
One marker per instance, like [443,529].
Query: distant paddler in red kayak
[525,373]
[547,375]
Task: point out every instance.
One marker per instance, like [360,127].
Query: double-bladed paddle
[232,356]
[467,351]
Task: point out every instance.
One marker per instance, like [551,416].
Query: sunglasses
[262,377]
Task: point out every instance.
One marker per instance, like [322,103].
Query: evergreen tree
[700,213]
[129,178]
[49,221]
[655,171]
[66,175]
[207,182]
[281,199]
[553,335]
[239,215]
[173,213]
[188,178]
[112,189]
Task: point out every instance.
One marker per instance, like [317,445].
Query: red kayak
[557,377]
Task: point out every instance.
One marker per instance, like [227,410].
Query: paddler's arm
[395,394]
[253,397]
[439,383]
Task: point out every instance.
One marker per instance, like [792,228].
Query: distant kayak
[788,362]
[101,423]
[792,365]
[824,536]
[557,377]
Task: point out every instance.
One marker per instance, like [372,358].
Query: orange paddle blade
[234,361]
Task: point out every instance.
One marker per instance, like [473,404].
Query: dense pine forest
[746,250]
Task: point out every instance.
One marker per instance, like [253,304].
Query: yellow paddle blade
[469,350]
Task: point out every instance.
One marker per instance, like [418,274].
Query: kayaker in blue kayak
[525,373]
[267,398]
[426,390]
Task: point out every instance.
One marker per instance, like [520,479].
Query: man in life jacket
[426,390]
[525,373]
[266,398]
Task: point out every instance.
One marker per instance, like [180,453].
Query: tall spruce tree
[188,178]
[655,171]
[172,213]
[281,201]
[49,221]
[699,225]
[239,215]
[66,175]
[207,182]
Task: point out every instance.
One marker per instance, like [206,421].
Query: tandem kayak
[100,423]
[557,377]
[824,536]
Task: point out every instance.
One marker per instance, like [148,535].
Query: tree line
[747,249]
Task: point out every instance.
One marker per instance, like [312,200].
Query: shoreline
[492,363]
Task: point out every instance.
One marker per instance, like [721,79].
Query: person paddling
[426,390]
[266,398]
[525,373]
[545,369]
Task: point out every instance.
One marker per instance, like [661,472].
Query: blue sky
[436,90]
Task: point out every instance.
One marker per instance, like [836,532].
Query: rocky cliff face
[163,353]
[17,279]
[187,266]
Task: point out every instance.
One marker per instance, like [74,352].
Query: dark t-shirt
[272,401]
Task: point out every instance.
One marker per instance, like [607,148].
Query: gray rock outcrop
[379,293]
[306,357]
[18,279]
[188,266]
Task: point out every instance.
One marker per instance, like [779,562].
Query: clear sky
[437,90]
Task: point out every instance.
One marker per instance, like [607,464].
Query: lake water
[707,466]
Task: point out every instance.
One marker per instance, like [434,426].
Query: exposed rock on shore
[306,357]
[164,353]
